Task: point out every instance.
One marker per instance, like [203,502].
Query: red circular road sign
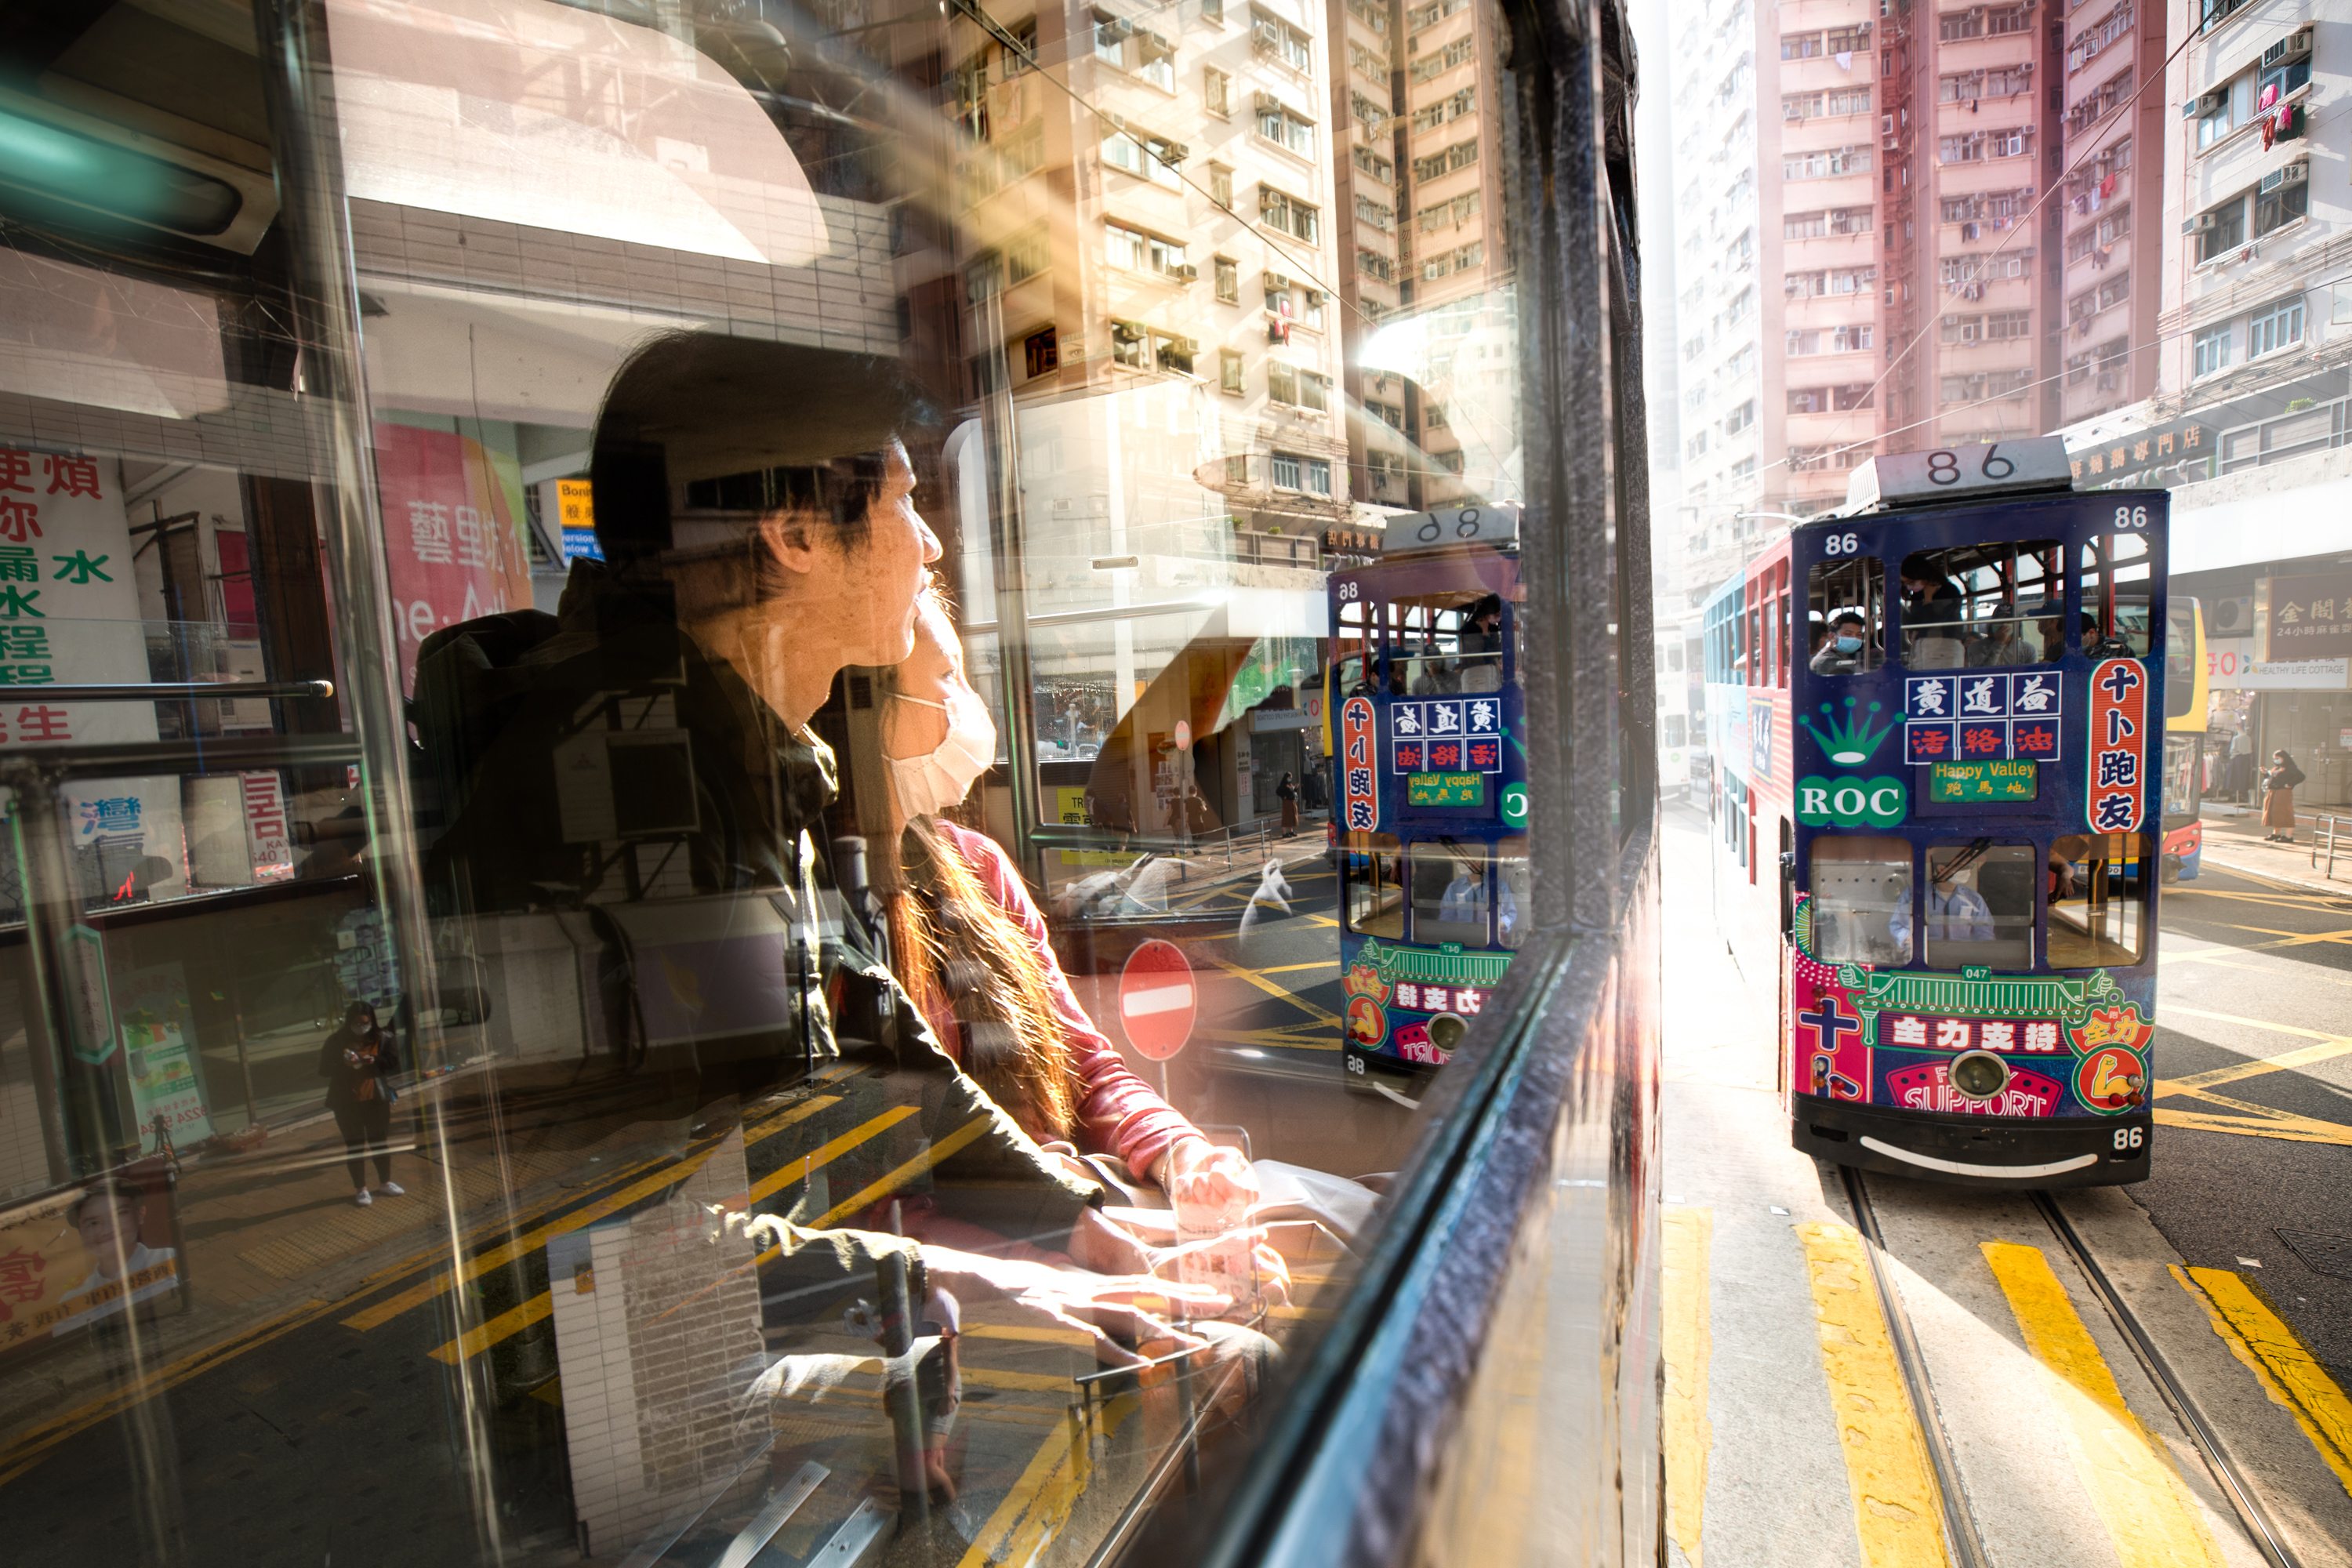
[1157,999]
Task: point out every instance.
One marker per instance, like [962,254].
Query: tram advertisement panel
[1975,754]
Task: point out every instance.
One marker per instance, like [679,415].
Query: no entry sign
[1157,999]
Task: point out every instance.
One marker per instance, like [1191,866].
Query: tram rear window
[2099,900]
[1979,909]
[1861,899]
[2115,596]
[1846,608]
[1977,606]
[1444,643]
[1373,873]
[1449,901]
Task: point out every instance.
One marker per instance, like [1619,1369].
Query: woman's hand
[1197,1171]
[1105,1310]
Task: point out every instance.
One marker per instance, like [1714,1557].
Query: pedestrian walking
[1287,791]
[2241,781]
[358,1062]
[2278,797]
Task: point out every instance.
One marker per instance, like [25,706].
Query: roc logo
[1847,802]
[1851,741]
[2112,1026]
[2111,1080]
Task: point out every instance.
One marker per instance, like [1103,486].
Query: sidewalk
[2236,831]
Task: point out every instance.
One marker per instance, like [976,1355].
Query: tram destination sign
[1954,473]
[1971,782]
[1445,789]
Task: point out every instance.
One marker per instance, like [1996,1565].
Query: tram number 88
[2127,1138]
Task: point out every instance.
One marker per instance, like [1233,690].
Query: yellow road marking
[1330,963]
[2138,1496]
[1690,1437]
[2172,1007]
[1043,1496]
[1898,1510]
[482,1336]
[2279,1360]
[1271,989]
[1070,1337]
[875,1191]
[2257,1122]
[829,1151]
[1276,1038]
[383,1311]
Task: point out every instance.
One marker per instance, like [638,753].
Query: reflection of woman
[358,1062]
[1287,791]
[970,947]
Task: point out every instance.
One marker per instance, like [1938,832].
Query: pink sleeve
[1118,1113]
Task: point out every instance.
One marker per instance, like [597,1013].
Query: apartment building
[2109,226]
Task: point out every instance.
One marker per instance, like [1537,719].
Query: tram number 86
[2129,1138]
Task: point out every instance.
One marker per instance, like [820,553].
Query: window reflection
[1861,899]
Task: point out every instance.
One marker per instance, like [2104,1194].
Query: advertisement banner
[79,1256]
[2230,665]
[2304,617]
[452,525]
[159,1030]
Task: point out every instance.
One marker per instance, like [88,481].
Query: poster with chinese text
[453,534]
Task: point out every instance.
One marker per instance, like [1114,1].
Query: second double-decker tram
[1967,792]
[1429,795]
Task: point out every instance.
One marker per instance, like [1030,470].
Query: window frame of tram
[1895,859]
[2118,876]
[2010,953]
[1995,579]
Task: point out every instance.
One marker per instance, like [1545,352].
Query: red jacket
[1118,1113]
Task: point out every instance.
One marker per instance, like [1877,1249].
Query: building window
[1451,107]
[1217,92]
[1372,68]
[2280,326]
[1368,114]
[1372,163]
[1828,340]
[1276,39]
[1229,371]
[2209,351]
[1370,14]
[1041,352]
[1461,155]
[1221,185]
[1423,18]
[1832,280]
[1977,146]
[2099,102]
[1285,469]
[1152,158]
[1378,214]
[1740,418]
[2000,81]
[2276,209]
[1026,254]
[2225,233]
[1279,210]
[1227,273]
[1372,264]
[1282,382]
[1130,344]
[1460,52]
[1448,215]
[1826,162]
[1285,127]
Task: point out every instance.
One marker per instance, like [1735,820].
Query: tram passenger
[1933,616]
[1481,646]
[1956,913]
[2002,641]
[1846,648]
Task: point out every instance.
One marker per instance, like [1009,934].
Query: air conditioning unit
[1189,272]
[1118,121]
[2230,617]
[2204,104]
[1277,280]
[1174,152]
[2287,174]
[1892,145]
[2294,47]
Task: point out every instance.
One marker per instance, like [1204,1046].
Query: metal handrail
[168,690]
[2327,832]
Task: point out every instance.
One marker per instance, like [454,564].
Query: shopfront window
[708,680]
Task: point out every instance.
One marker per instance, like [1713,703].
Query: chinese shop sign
[1980,718]
[453,534]
[2114,793]
[1358,799]
[1962,782]
[2302,618]
[1463,735]
[68,600]
[2143,450]
[1457,790]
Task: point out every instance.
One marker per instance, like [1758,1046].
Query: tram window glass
[1979,909]
[1674,728]
[1372,869]
[1860,882]
[1979,606]
[1449,901]
[1514,892]
[1849,598]
[2098,899]
[1782,630]
[2179,657]
[2116,597]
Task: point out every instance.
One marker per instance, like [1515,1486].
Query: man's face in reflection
[108,1224]
[876,580]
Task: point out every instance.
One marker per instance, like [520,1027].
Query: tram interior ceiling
[703,862]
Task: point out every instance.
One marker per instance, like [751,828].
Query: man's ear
[791,536]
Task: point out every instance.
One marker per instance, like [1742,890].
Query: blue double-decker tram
[1431,804]
[1970,809]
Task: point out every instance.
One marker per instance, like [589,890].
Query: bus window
[2180,658]
[2099,900]
[1858,884]
[2115,596]
[1977,604]
[1849,598]
[1374,883]
[1979,906]
[1513,893]
[1449,893]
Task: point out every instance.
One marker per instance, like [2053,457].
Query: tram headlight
[1979,1075]
[1445,1031]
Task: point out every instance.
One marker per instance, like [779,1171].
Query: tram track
[1963,1540]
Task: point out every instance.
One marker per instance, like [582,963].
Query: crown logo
[2111,1026]
[1849,738]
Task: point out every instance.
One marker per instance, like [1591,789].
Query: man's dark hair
[1917,568]
[743,425]
[114,1191]
[1848,619]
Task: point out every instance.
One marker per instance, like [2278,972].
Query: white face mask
[928,785]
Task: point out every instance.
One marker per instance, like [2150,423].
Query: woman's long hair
[953,943]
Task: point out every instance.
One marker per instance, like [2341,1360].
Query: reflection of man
[108,1220]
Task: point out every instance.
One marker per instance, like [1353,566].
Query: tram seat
[1937,653]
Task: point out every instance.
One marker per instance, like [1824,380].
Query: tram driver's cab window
[1977,606]
[1846,608]
[2116,597]
[1979,907]
[1373,869]
[1513,893]
[1859,885]
[1450,901]
[2099,900]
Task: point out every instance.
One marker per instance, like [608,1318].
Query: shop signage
[1457,790]
[1847,802]
[2127,454]
[1983,781]
[1359,800]
[452,533]
[575,503]
[2114,790]
[2231,666]
[2304,617]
